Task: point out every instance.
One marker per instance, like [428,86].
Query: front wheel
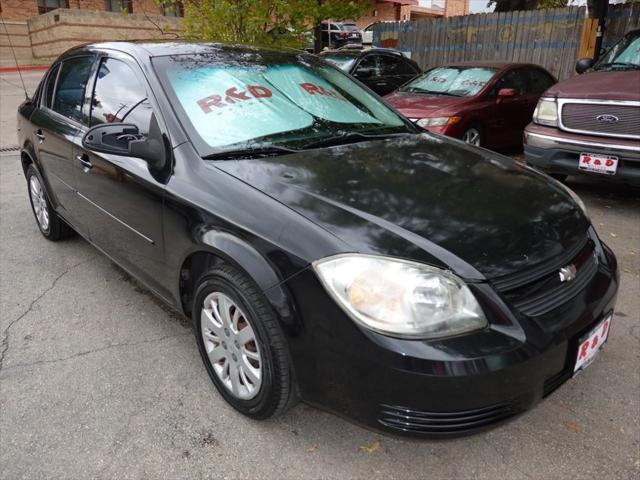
[241,344]
[473,136]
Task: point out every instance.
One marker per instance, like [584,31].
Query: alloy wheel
[231,345]
[39,202]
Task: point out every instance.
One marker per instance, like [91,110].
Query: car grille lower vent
[443,423]
[539,290]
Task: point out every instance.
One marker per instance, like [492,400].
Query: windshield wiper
[632,66]
[430,92]
[255,152]
[351,137]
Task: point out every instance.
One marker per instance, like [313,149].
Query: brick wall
[455,8]
[16,34]
[386,11]
[53,33]
[18,9]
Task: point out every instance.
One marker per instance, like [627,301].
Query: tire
[474,135]
[50,224]
[232,354]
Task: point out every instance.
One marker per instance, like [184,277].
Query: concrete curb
[23,68]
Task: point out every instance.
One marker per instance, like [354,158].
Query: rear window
[345,62]
[348,27]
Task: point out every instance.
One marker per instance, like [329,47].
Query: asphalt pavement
[100,380]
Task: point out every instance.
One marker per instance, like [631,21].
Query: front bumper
[555,151]
[447,387]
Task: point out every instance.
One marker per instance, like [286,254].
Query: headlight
[400,298]
[437,121]
[546,112]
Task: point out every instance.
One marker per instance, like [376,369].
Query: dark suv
[590,124]
[340,34]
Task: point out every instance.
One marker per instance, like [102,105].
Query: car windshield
[242,99]
[340,60]
[624,54]
[454,81]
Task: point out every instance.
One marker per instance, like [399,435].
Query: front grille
[443,423]
[539,290]
[624,120]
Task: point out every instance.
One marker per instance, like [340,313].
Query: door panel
[56,125]
[121,199]
[510,115]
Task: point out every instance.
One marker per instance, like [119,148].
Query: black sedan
[325,249]
[383,70]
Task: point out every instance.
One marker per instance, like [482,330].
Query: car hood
[599,85]
[408,195]
[418,105]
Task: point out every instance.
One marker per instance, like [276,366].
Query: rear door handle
[38,133]
[84,160]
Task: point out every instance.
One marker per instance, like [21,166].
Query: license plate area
[597,163]
[590,344]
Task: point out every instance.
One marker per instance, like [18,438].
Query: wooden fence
[551,38]
[620,19]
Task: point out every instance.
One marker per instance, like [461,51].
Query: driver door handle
[84,160]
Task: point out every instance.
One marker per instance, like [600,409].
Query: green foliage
[263,22]
[553,3]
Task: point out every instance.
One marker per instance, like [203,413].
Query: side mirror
[584,64]
[507,93]
[152,148]
[125,139]
[111,138]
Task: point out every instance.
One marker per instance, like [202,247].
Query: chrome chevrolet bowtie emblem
[607,118]
[568,273]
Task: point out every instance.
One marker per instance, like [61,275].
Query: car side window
[389,65]
[539,80]
[70,87]
[119,97]
[368,64]
[405,68]
[515,79]
[51,85]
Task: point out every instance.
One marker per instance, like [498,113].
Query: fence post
[588,38]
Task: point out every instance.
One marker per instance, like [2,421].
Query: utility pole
[317,43]
[598,9]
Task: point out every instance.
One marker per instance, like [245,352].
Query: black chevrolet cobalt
[325,249]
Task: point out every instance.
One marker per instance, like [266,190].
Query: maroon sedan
[483,103]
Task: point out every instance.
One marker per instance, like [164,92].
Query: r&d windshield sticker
[315,95]
[229,105]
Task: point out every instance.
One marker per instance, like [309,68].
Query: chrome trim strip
[624,103]
[117,219]
[580,143]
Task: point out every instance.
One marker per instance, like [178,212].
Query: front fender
[261,270]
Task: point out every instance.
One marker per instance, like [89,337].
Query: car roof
[356,51]
[143,49]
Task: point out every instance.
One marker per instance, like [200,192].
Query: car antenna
[15,59]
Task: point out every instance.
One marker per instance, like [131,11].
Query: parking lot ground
[100,380]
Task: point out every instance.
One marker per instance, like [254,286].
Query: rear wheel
[473,136]
[50,224]
[241,344]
